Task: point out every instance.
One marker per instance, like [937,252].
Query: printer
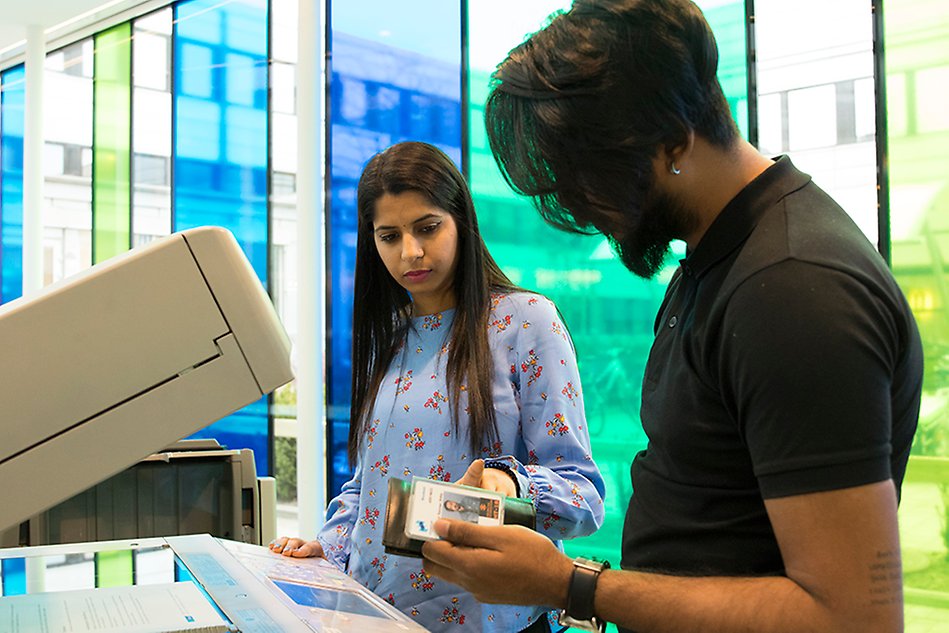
[118,363]
[115,363]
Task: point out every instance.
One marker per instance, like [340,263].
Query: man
[470,508]
[782,390]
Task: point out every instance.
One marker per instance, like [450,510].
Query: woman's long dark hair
[380,319]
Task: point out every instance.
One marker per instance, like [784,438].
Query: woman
[452,365]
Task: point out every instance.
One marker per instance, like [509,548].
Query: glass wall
[151,127]
[220,152]
[12,89]
[815,96]
[395,75]
[111,143]
[67,161]
[13,575]
[917,73]
[728,22]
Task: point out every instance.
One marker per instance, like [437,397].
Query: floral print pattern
[432,322]
[532,367]
[404,383]
[381,465]
[414,439]
[371,432]
[421,581]
[436,401]
[452,614]
[438,472]
[499,325]
[557,425]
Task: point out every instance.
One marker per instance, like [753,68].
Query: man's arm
[840,549]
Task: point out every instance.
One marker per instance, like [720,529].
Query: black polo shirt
[786,361]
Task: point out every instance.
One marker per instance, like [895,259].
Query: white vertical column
[311,256]
[35,574]
[33,160]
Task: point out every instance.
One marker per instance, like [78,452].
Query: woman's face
[418,243]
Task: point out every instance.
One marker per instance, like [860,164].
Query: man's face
[644,247]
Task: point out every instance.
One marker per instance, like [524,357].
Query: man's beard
[645,247]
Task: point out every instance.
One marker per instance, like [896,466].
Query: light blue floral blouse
[543,437]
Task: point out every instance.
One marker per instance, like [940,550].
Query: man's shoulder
[807,227]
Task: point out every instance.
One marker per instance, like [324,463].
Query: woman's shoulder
[519,319]
[521,308]
[521,300]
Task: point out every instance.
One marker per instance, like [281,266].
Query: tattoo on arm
[886,579]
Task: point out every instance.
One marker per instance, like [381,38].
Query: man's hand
[297,547]
[501,565]
[492,479]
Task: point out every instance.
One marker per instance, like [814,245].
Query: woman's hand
[296,547]
[488,479]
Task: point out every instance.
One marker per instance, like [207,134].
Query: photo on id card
[430,500]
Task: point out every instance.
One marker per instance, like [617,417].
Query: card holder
[394,540]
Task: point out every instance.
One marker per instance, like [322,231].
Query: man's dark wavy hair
[577,112]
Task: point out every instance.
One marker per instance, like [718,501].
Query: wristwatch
[579,611]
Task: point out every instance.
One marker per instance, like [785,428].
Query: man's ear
[677,157]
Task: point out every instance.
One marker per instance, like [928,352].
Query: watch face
[592,565]
[583,625]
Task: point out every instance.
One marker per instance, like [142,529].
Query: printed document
[164,608]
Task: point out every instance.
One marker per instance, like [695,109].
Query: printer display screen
[329,599]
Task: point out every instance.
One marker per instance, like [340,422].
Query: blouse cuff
[510,465]
[505,467]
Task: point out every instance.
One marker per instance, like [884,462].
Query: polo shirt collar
[740,216]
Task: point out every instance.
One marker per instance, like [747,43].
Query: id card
[430,500]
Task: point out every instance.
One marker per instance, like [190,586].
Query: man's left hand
[502,565]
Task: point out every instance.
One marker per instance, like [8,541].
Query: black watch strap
[582,588]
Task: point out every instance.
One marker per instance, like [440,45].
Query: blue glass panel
[12,95]
[396,77]
[220,152]
[13,571]
[182,573]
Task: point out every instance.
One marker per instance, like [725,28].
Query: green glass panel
[114,569]
[609,311]
[727,19]
[112,125]
[917,72]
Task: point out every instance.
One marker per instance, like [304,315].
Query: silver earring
[675,171]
